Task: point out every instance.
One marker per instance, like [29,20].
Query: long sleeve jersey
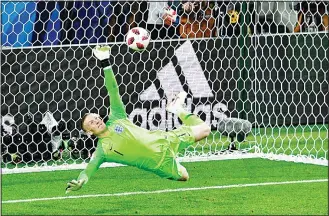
[127,143]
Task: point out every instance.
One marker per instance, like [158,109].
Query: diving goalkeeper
[121,141]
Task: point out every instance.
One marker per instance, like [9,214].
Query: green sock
[189,119]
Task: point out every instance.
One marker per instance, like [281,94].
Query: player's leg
[171,169]
[199,128]
[176,107]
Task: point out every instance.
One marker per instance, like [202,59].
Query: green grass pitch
[243,191]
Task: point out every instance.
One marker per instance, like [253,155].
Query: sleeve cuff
[105,63]
[84,177]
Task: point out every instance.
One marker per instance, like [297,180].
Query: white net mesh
[255,71]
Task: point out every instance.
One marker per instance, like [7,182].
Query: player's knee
[184,174]
[185,177]
[206,129]
[201,131]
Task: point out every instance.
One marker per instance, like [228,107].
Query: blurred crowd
[198,19]
[80,22]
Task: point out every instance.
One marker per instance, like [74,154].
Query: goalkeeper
[121,141]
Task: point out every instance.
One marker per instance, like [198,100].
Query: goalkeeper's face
[93,124]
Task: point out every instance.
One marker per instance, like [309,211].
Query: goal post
[264,95]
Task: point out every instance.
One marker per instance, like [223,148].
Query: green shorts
[179,139]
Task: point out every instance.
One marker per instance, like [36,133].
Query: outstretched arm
[93,165]
[117,109]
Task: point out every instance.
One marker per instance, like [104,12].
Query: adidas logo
[187,76]
[191,70]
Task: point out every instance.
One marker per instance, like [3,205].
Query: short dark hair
[83,120]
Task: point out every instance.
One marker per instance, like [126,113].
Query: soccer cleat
[177,103]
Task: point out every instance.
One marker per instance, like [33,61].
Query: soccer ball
[138,39]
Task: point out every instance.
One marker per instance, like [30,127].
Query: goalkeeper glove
[102,53]
[74,185]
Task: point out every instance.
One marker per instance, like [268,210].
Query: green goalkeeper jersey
[127,143]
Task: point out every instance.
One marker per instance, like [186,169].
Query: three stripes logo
[191,76]
[183,73]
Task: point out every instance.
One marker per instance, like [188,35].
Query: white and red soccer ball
[138,39]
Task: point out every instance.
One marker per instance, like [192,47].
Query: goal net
[256,72]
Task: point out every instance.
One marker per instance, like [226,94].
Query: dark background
[286,80]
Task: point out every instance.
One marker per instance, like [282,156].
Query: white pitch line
[165,191]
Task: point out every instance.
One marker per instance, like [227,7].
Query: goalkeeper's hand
[102,52]
[74,185]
